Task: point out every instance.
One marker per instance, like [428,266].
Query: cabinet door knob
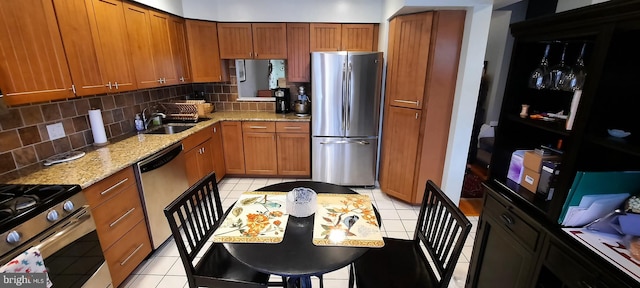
[116,85]
[109,85]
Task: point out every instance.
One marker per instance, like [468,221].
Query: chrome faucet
[153,115]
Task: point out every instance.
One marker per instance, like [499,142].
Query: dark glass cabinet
[519,239]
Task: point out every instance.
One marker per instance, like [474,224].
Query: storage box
[265,93]
[530,180]
[548,179]
[515,166]
[533,160]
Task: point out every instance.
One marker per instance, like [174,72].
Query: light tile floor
[164,268]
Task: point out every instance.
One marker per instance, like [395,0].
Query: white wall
[499,47]
[171,6]
[495,57]
[345,11]
[464,105]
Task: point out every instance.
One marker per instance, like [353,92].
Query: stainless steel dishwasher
[161,179]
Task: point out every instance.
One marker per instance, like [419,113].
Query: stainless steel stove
[57,220]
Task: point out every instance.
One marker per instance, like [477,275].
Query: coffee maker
[283,98]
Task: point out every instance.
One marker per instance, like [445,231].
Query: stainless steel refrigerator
[345,113]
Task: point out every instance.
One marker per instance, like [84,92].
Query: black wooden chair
[426,261]
[193,217]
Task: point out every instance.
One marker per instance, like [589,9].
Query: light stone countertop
[102,162]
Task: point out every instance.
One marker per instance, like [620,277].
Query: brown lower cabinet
[132,248]
[197,155]
[259,141]
[514,249]
[232,146]
[217,152]
[267,148]
[294,148]
[122,230]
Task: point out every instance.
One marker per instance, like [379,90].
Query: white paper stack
[593,207]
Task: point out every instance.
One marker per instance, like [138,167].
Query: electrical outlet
[56,131]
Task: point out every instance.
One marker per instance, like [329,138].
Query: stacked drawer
[117,210]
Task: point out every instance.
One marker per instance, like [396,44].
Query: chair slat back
[441,231]
[193,217]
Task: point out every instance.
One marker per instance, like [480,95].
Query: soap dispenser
[139,123]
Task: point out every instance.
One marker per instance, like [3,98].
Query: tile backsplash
[25,142]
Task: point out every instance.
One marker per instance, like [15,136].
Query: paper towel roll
[97,127]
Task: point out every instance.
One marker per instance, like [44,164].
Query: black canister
[283,98]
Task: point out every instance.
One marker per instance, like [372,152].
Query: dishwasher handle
[160,158]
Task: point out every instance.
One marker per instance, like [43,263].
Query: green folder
[594,183]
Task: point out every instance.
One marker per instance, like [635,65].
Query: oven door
[72,252]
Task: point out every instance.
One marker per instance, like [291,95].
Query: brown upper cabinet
[73,21]
[33,67]
[178,39]
[109,33]
[252,41]
[150,46]
[163,55]
[298,59]
[235,40]
[206,65]
[359,37]
[341,37]
[269,40]
[409,41]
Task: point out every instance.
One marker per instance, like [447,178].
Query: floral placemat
[346,220]
[257,217]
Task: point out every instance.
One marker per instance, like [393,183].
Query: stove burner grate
[17,202]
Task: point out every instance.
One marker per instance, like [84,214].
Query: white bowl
[618,133]
[301,202]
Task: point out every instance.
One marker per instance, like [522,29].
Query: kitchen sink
[170,128]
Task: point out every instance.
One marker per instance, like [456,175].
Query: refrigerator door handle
[344,94]
[348,118]
[361,142]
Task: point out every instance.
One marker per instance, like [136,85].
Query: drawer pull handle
[292,127]
[408,102]
[121,217]
[258,127]
[507,219]
[114,186]
[131,255]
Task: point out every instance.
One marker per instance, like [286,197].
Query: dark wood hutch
[519,242]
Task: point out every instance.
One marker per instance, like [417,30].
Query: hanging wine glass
[539,78]
[574,80]
[558,72]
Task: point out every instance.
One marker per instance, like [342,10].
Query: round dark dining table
[296,256]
